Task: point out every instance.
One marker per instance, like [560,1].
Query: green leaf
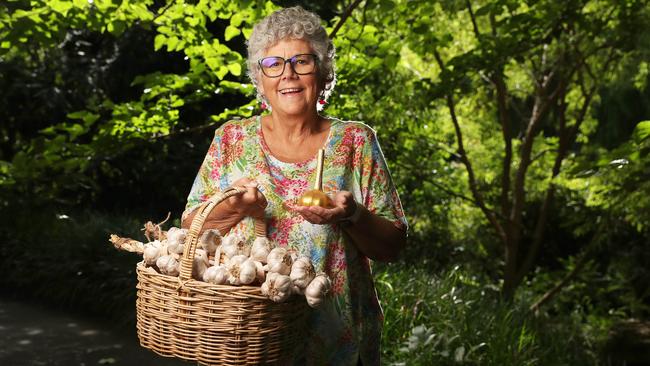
[60,6]
[231,32]
[214,62]
[237,19]
[172,42]
[235,69]
[642,131]
[221,73]
[159,41]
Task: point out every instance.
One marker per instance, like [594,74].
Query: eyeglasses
[302,64]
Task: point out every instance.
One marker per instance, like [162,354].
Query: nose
[288,71]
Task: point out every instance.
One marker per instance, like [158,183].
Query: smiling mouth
[290,91]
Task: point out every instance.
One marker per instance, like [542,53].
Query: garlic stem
[319,170]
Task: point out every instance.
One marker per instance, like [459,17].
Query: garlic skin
[152,251]
[247,272]
[302,272]
[233,245]
[276,254]
[168,265]
[217,275]
[277,287]
[261,273]
[210,240]
[317,289]
[200,264]
[233,265]
[260,249]
[176,240]
[219,256]
[279,261]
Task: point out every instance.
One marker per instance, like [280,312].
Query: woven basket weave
[214,324]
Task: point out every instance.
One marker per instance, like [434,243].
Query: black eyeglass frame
[289,60]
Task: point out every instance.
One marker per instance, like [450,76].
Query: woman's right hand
[250,203]
[229,212]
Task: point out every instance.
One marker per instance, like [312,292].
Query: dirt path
[31,335]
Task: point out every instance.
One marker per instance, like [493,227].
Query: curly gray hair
[292,23]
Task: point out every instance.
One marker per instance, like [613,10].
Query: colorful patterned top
[347,326]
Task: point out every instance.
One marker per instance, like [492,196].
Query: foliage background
[108,106]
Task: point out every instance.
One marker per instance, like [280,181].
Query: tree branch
[161,12]
[497,80]
[543,101]
[550,294]
[344,17]
[568,136]
[478,197]
[477,33]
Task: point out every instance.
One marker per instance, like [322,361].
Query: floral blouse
[347,326]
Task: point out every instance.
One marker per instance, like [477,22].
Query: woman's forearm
[222,217]
[376,237]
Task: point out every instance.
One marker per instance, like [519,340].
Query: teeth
[289,90]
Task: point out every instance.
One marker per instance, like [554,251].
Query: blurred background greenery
[517,133]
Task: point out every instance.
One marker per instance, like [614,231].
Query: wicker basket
[214,324]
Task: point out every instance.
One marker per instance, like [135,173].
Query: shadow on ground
[32,335]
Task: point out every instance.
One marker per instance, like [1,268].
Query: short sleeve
[206,182]
[378,192]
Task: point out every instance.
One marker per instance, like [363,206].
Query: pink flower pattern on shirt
[347,327]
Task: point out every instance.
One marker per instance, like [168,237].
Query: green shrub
[455,319]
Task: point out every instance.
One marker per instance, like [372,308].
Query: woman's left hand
[344,206]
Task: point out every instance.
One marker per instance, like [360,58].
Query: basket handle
[192,238]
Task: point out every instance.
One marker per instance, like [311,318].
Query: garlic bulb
[210,240]
[175,240]
[279,261]
[247,272]
[219,256]
[217,275]
[233,265]
[302,272]
[200,263]
[152,251]
[233,245]
[317,289]
[277,287]
[168,265]
[261,249]
[261,273]
[276,254]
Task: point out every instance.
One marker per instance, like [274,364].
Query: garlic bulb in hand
[277,287]
[210,240]
[217,275]
[233,245]
[261,249]
[302,272]
[168,265]
[317,289]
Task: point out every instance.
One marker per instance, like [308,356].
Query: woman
[273,156]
